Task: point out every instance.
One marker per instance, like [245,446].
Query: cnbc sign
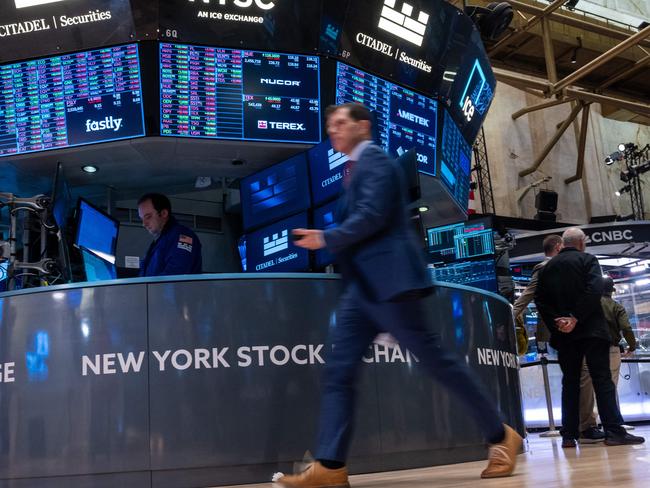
[399,33]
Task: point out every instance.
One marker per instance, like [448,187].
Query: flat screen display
[324,218]
[403,118]
[326,168]
[271,249]
[461,241]
[70,100]
[96,231]
[455,161]
[236,94]
[275,192]
[479,274]
[96,268]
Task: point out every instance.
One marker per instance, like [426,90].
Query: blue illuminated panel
[96,268]
[271,249]
[70,100]
[96,231]
[404,119]
[324,218]
[455,161]
[275,193]
[235,94]
[326,167]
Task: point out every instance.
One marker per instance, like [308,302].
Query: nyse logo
[269,81]
[109,123]
[276,243]
[413,118]
[292,126]
[264,5]
[336,159]
[402,24]
[33,3]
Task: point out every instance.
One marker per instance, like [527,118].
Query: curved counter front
[214,380]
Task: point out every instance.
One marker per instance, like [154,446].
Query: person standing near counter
[176,250]
[385,280]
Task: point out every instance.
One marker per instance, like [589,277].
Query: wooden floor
[545,465]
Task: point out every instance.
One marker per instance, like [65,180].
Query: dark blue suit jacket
[176,252]
[374,243]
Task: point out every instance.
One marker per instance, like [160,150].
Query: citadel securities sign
[31,28]
[401,39]
[274,25]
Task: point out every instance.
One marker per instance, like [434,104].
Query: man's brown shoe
[317,476]
[502,457]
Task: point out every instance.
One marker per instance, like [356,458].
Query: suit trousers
[358,321]
[587,413]
[595,352]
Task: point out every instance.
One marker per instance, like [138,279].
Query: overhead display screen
[267,25]
[455,161]
[402,40]
[479,274]
[31,28]
[271,249]
[275,192]
[403,118]
[235,94]
[82,98]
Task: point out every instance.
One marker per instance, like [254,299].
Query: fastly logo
[264,5]
[109,123]
[336,159]
[270,81]
[276,243]
[402,23]
[33,3]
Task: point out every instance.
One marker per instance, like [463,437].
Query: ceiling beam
[582,143]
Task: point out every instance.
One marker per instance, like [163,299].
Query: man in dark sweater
[568,298]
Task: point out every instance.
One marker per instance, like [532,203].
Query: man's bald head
[574,237]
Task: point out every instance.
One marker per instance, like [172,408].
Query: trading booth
[213,379]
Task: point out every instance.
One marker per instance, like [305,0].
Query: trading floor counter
[214,380]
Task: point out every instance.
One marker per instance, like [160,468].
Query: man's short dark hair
[550,242]
[357,111]
[159,201]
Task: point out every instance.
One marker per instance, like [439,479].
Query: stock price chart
[236,94]
[62,101]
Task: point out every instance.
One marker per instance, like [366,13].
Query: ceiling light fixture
[89,168]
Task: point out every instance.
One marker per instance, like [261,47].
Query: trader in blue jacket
[176,250]
[384,277]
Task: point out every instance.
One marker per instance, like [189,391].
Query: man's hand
[566,324]
[628,353]
[311,239]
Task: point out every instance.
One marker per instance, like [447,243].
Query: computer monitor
[96,231]
[96,268]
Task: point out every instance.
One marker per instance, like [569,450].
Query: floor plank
[545,465]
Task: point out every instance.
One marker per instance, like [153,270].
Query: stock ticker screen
[463,253]
[82,98]
[237,94]
[455,161]
[456,242]
[404,119]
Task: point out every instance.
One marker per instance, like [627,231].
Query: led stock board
[455,160]
[403,118]
[237,94]
[70,100]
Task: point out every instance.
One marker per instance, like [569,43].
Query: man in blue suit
[385,280]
